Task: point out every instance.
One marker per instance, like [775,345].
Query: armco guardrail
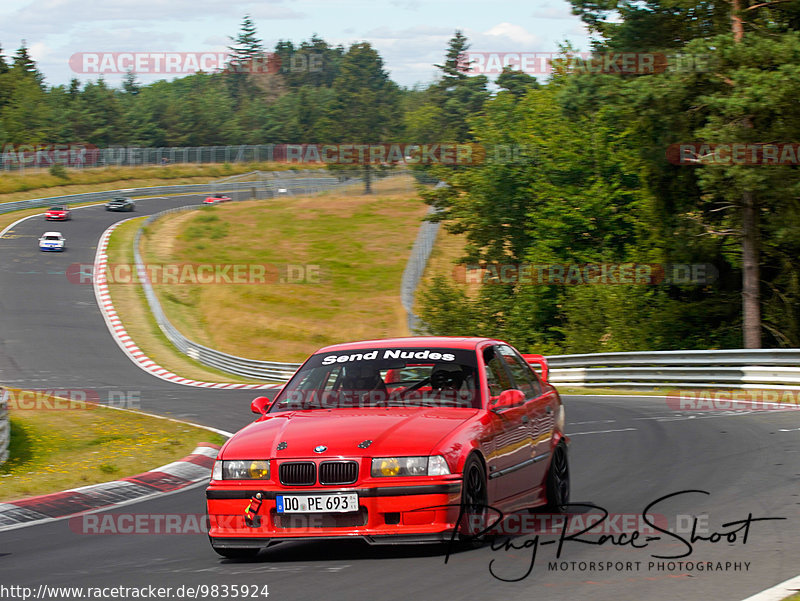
[415,268]
[730,368]
[5,427]
[250,368]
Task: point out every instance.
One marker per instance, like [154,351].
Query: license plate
[339,503]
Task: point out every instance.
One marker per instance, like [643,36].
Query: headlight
[241,469]
[385,467]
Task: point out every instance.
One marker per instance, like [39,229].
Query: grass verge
[132,308]
[54,450]
[359,244]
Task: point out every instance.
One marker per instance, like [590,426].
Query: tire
[237,553]
[474,500]
[558,480]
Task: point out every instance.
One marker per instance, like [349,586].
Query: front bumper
[51,248]
[420,513]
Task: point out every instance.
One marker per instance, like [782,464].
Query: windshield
[385,377]
[57,209]
[52,238]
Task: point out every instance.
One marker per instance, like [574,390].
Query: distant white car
[52,241]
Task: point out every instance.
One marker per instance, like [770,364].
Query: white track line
[779,591]
[18,221]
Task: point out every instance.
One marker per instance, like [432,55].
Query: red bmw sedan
[406,440]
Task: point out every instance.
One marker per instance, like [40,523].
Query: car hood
[393,431]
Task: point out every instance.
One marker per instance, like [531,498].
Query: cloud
[412,5]
[515,33]
[561,11]
[54,15]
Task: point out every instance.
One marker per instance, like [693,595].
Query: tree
[246,45]
[4,68]
[24,64]
[516,82]
[716,105]
[313,63]
[97,115]
[130,85]
[3,64]
[569,197]
[247,57]
[365,105]
[458,95]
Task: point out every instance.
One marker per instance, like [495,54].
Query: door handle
[525,419]
[548,410]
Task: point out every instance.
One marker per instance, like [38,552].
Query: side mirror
[260,405]
[509,398]
[541,361]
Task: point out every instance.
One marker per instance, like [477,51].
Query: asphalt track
[626,453]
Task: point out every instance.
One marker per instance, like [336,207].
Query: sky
[410,35]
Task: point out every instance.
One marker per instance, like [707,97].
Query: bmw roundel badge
[320,448]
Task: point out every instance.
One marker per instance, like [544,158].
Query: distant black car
[121,203]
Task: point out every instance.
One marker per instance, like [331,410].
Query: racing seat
[446,376]
[364,382]
[452,385]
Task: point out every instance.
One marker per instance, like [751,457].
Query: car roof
[57,208]
[51,234]
[411,342]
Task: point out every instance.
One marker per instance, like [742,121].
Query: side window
[524,377]
[496,376]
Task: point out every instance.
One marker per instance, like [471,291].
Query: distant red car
[211,200]
[388,440]
[58,213]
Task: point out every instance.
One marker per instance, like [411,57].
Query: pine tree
[455,65]
[3,63]
[130,85]
[246,46]
[24,64]
[247,55]
[458,95]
